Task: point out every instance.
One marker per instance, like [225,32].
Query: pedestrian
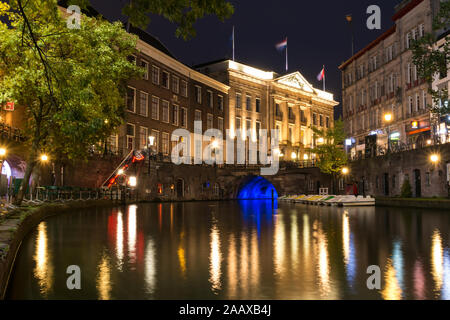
[355,189]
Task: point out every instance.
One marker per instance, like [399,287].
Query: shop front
[418,133]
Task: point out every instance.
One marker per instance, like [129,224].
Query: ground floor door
[180,188]
[386,184]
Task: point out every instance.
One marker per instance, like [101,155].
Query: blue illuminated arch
[257,188]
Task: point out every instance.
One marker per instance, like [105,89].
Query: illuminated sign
[414,125]
[9,106]
[348,142]
[395,135]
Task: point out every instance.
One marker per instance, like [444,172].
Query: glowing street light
[132,182]
[388,117]
[429,142]
[120,172]
[215,144]
[434,158]
[2,152]
[305,157]
[293,155]
[320,140]
[345,170]
[44,158]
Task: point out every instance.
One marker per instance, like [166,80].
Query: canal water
[236,250]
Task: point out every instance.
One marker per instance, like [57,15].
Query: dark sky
[317,34]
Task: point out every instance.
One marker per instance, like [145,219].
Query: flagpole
[287,55]
[324,78]
[233,43]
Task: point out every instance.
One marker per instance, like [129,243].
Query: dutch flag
[283,44]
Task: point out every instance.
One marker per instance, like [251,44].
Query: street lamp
[44,158]
[293,156]
[434,158]
[388,118]
[151,144]
[132,182]
[345,171]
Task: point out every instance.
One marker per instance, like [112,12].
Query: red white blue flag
[283,44]
[321,75]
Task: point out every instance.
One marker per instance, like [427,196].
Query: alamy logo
[374,21]
[74,20]
[251,148]
[74,280]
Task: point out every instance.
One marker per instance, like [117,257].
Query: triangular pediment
[296,80]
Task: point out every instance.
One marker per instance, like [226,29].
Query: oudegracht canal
[236,250]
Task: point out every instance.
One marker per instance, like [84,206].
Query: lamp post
[388,120]
[151,144]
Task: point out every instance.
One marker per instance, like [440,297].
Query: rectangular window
[277,110]
[238,123]
[258,128]
[144,65]
[113,143]
[248,103]
[165,111]
[238,101]
[143,137]
[165,143]
[315,119]
[321,120]
[155,133]
[130,136]
[155,108]
[427,179]
[410,104]
[220,124]
[132,59]
[175,115]
[327,122]
[417,102]
[210,101]
[290,114]
[198,94]
[143,104]
[155,75]
[220,103]
[183,117]
[165,80]
[198,115]
[258,105]
[131,99]
[209,121]
[424,99]
[248,124]
[184,88]
[175,84]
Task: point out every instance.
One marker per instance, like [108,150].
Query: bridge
[162,180]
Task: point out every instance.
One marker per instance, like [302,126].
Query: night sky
[317,32]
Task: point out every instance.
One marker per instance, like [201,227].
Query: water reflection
[44,267]
[238,250]
[104,285]
[215,259]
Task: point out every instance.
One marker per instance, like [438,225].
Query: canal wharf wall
[423,203]
[17,224]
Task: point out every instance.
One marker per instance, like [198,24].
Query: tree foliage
[71,81]
[432,61]
[184,13]
[331,157]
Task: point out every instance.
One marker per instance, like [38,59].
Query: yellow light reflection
[279,245]
[346,236]
[132,233]
[44,269]
[254,261]
[104,279]
[182,255]
[392,290]
[324,268]
[437,261]
[232,268]
[215,260]
[294,240]
[243,270]
[150,267]
[119,240]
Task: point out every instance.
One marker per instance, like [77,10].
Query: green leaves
[432,61]
[76,85]
[331,157]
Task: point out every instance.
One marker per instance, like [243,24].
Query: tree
[406,191]
[431,61]
[71,82]
[331,157]
[184,13]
